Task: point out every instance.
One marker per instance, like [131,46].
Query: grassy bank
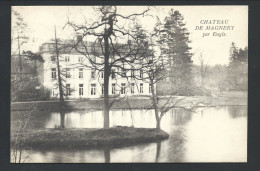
[86,104]
[84,137]
[220,99]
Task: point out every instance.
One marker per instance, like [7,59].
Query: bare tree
[18,35]
[19,138]
[61,96]
[203,64]
[116,49]
[155,69]
[156,73]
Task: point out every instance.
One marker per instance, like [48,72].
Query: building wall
[74,81]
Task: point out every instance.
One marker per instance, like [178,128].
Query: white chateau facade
[80,81]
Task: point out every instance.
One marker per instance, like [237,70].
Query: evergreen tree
[238,67]
[177,50]
[18,37]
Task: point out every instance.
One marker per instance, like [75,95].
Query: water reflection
[62,119]
[158,151]
[107,155]
[236,112]
[211,134]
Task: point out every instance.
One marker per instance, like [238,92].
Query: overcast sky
[42,19]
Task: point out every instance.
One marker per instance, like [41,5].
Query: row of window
[68,75]
[66,59]
[93,73]
[80,59]
[93,89]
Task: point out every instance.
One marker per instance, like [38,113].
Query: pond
[211,134]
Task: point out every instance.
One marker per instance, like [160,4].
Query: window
[67,72]
[67,58]
[53,73]
[81,73]
[102,74]
[113,74]
[122,88]
[141,73]
[102,89]
[113,88]
[93,73]
[132,73]
[53,58]
[53,92]
[132,88]
[150,88]
[80,89]
[93,89]
[80,59]
[68,89]
[141,88]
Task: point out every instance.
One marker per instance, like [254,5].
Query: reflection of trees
[237,111]
[107,155]
[158,151]
[176,148]
[62,118]
[38,119]
[181,116]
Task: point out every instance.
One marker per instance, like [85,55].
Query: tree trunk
[20,59]
[59,74]
[158,124]
[155,105]
[35,67]
[106,84]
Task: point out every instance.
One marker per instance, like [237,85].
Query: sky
[41,21]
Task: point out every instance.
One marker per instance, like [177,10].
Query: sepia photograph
[129,84]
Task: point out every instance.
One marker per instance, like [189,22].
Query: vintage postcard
[129,84]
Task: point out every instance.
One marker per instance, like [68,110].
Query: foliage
[33,56]
[19,28]
[174,38]
[25,83]
[26,86]
[238,68]
[19,138]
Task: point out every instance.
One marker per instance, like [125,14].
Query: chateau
[81,81]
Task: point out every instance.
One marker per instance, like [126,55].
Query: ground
[86,137]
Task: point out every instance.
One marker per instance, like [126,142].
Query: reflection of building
[81,80]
